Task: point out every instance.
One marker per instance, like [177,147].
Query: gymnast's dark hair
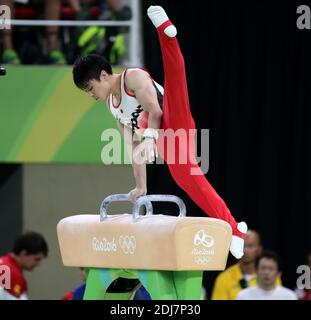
[86,68]
[32,242]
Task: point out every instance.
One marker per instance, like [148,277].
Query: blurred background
[248,69]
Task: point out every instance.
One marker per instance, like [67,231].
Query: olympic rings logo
[128,244]
[201,260]
[201,238]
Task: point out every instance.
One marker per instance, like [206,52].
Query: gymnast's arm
[140,83]
[139,170]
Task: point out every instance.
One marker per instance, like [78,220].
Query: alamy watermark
[5,277]
[303,21]
[304,280]
[5,17]
[177,147]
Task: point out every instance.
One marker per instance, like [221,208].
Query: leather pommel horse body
[166,253]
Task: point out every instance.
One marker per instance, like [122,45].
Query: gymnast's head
[93,74]
[29,249]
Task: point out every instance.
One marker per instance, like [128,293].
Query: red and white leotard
[128,111]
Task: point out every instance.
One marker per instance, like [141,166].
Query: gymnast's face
[100,89]
[30,261]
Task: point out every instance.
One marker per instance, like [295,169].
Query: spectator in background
[109,9]
[78,292]
[51,12]
[268,270]
[81,8]
[106,41]
[114,10]
[29,250]
[305,294]
[242,274]
[121,284]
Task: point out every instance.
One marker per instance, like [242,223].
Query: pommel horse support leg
[168,254]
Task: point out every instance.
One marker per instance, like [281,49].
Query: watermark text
[5,277]
[5,17]
[176,147]
[304,280]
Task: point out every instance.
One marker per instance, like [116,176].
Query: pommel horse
[168,254]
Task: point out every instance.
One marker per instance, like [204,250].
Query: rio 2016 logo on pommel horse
[127,243]
[203,240]
[104,245]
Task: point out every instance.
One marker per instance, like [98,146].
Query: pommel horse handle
[119,197]
[144,200]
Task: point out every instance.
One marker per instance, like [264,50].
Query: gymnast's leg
[177,115]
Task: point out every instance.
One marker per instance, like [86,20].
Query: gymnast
[144,108]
